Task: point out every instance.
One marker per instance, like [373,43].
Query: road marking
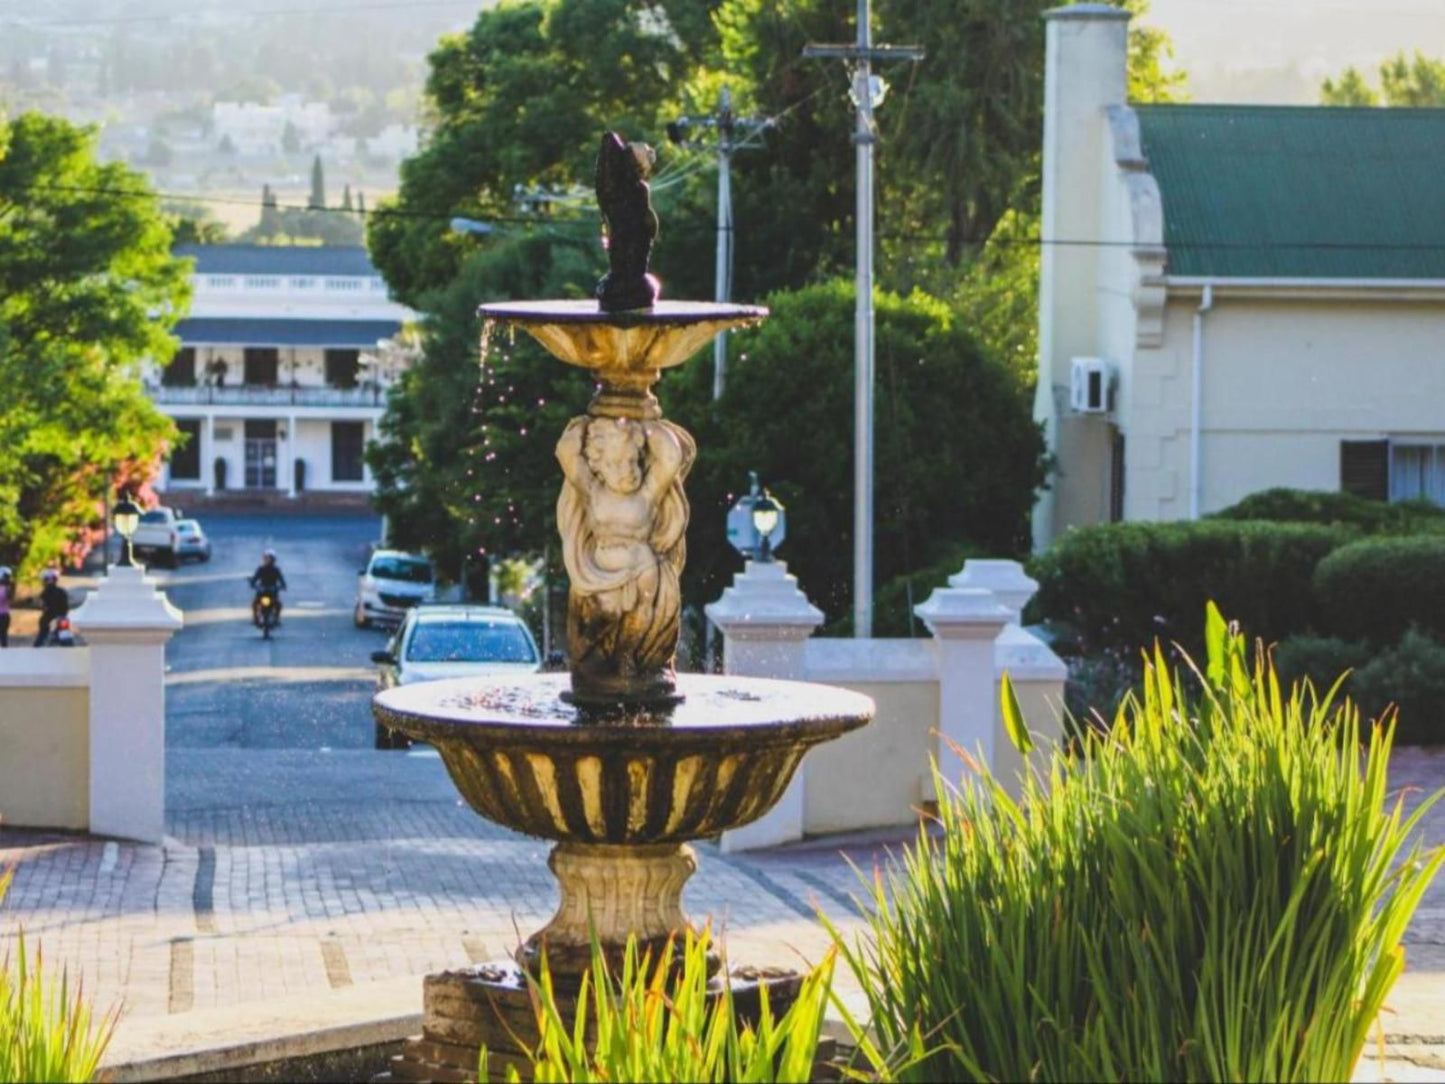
[424,754]
[309,604]
[333,956]
[183,975]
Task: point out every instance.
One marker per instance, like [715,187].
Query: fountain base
[616,891]
[491,1005]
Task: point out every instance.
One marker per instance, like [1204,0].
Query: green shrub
[1320,660]
[1325,506]
[1215,889]
[658,1021]
[47,1031]
[1121,586]
[1376,588]
[1411,677]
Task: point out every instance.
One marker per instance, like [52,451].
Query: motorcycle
[268,607]
[61,634]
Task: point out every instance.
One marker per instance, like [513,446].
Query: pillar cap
[963,613]
[1083,13]
[1011,585]
[126,606]
[764,602]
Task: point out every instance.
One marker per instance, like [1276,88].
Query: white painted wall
[1285,380]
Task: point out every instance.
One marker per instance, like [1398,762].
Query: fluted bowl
[640,341]
[523,758]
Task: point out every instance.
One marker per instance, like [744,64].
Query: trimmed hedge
[1377,588]
[1121,586]
[1324,506]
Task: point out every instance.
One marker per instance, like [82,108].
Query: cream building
[283,371]
[1232,297]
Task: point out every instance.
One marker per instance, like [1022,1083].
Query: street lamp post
[765,522]
[127,518]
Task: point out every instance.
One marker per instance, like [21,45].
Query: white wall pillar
[964,621]
[126,623]
[1038,675]
[208,454]
[289,461]
[765,621]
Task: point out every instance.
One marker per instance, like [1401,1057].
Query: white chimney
[1085,68]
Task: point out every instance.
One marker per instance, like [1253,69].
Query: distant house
[284,366]
[1232,297]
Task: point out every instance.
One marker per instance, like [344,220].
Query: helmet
[268,554]
[49,575]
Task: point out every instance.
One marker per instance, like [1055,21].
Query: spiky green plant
[48,1032]
[656,1020]
[1215,889]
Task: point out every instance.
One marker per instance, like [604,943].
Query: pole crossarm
[863,52]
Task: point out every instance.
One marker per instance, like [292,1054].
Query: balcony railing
[261,395]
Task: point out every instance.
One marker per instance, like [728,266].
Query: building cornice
[1146,225]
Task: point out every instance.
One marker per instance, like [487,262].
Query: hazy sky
[1320,36]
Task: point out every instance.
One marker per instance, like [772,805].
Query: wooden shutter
[1365,468]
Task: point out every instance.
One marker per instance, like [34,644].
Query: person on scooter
[54,604]
[7,595]
[267,577]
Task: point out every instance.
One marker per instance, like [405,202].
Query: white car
[194,542]
[449,641]
[158,535]
[391,584]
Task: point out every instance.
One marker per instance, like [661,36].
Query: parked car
[391,584]
[157,536]
[193,540]
[453,640]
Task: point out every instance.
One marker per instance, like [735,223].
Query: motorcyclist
[54,604]
[267,577]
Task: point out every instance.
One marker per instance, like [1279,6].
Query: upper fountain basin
[523,758]
[636,340]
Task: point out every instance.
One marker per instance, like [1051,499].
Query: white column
[208,454]
[290,458]
[964,621]
[127,622]
[765,621]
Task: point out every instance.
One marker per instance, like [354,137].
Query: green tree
[1415,82]
[958,454]
[521,99]
[464,464]
[1349,89]
[88,290]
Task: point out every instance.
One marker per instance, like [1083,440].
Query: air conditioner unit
[1089,385]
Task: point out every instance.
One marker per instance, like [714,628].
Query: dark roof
[278,259]
[1299,191]
[251,331]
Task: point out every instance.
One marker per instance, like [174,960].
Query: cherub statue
[631,224]
[622,515]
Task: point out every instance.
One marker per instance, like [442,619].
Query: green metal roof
[1299,191]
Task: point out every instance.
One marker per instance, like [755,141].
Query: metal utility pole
[734,133]
[867,93]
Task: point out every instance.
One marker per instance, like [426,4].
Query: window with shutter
[1365,468]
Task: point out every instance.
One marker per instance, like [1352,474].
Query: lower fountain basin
[523,758]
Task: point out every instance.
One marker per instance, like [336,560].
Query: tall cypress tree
[318,186]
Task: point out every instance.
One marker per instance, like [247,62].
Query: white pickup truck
[156,535]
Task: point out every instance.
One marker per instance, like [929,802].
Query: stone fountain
[623,761]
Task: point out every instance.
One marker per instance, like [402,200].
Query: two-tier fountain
[624,761]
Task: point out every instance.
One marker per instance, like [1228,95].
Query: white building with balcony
[282,374]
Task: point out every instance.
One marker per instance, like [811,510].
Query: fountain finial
[626,205]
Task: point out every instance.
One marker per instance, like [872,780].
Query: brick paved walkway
[288,873]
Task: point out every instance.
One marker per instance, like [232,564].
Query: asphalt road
[309,687]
